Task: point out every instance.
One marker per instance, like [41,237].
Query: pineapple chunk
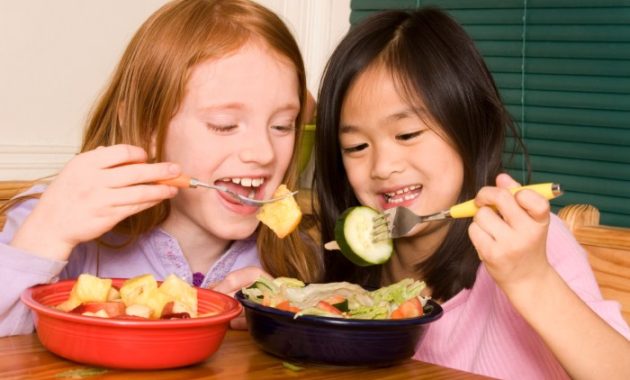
[143,290]
[282,216]
[137,310]
[137,287]
[69,304]
[113,294]
[184,295]
[90,288]
[155,300]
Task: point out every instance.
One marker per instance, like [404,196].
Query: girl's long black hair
[432,59]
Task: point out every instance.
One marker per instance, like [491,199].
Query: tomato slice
[409,309]
[286,306]
[328,307]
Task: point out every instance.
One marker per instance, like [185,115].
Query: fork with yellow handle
[398,221]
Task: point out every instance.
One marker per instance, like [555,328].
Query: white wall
[55,57]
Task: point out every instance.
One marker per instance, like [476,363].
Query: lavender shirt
[156,252]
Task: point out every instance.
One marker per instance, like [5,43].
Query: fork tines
[381,228]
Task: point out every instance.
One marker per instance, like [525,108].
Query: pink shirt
[481,332]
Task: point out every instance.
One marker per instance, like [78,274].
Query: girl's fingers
[536,206]
[503,202]
[239,279]
[135,174]
[482,240]
[491,223]
[116,155]
[505,181]
[140,194]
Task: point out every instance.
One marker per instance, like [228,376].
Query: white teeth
[245,182]
[406,197]
[403,190]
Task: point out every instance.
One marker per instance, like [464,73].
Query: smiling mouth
[243,185]
[401,195]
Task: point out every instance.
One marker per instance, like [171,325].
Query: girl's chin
[236,233]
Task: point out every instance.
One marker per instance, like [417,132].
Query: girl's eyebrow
[408,112]
[238,106]
[226,106]
[347,128]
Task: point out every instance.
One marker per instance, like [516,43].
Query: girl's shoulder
[23,205]
[562,247]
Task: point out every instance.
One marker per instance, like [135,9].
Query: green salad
[339,299]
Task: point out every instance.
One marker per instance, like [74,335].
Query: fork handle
[183,181]
[468,209]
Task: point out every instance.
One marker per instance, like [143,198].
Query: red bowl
[129,344]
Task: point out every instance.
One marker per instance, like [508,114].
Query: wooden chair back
[608,251]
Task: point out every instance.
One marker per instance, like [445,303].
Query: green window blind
[563,70]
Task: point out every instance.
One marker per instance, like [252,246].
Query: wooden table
[23,357]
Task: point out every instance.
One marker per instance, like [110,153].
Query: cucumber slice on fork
[354,236]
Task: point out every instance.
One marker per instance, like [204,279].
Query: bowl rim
[435,314]
[27,298]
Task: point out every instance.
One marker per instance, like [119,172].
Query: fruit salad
[139,297]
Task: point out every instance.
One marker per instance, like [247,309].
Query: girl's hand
[510,237]
[94,191]
[234,282]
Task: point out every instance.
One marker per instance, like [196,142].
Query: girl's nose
[385,162]
[258,148]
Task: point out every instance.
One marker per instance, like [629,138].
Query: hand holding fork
[398,221]
[184,181]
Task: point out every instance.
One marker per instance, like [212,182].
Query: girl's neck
[412,251]
[200,248]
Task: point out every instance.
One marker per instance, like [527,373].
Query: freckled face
[234,128]
[393,152]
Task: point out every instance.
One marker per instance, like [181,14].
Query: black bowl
[335,341]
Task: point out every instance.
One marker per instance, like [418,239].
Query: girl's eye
[221,128]
[284,128]
[409,136]
[353,149]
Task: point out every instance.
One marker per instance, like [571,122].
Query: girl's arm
[583,343]
[18,271]
[512,244]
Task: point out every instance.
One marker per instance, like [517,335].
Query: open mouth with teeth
[249,187]
[404,194]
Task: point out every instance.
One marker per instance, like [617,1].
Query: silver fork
[184,181]
[398,221]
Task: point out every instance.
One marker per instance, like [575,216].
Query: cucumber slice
[353,233]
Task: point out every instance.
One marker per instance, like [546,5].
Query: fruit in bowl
[338,323]
[126,342]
